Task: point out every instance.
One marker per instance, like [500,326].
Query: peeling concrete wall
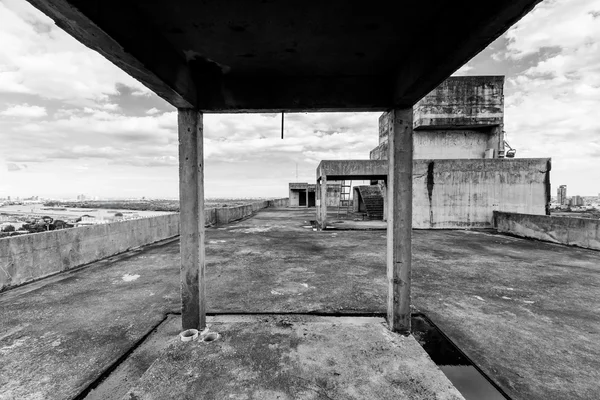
[465,193]
[465,101]
[461,118]
[449,144]
[294,198]
[28,257]
[333,194]
[580,232]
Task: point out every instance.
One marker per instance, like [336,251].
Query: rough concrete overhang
[298,185]
[337,170]
[378,169]
[296,55]
[462,102]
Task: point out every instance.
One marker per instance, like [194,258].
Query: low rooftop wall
[28,257]
[580,232]
[463,193]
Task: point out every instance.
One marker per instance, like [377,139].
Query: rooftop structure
[459,174]
[461,118]
[302,194]
[257,56]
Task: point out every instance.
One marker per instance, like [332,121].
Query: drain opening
[211,337]
[469,380]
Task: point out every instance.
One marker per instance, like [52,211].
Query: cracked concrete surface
[525,311]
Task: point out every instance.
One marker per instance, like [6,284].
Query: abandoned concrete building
[250,302]
[302,194]
[461,174]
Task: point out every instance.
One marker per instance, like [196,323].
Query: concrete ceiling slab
[297,55]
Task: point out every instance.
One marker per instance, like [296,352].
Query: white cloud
[36,57]
[553,102]
[567,24]
[110,107]
[463,70]
[110,138]
[24,111]
[153,111]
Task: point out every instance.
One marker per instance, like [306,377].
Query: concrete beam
[336,170]
[399,220]
[295,94]
[140,51]
[191,198]
[487,21]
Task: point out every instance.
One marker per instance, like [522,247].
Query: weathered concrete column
[322,203]
[383,187]
[191,200]
[496,140]
[306,193]
[399,220]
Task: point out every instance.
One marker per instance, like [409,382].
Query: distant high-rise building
[8,198]
[576,201]
[561,196]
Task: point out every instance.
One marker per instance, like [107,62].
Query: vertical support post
[323,206]
[306,197]
[496,140]
[383,187]
[191,200]
[318,202]
[399,220]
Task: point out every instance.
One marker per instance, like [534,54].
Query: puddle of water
[467,379]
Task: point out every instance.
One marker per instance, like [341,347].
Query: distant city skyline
[71,122]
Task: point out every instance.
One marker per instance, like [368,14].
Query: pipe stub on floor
[188,335]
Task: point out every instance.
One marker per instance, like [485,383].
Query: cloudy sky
[73,123]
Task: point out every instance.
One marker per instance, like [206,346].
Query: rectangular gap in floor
[469,380]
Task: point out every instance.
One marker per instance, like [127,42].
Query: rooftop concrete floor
[526,312]
[295,357]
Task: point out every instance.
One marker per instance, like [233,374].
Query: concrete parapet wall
[465,193]
[580,232]
[28,257]
[225,215]
[275,203]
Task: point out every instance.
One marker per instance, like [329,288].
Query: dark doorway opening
[302,198]
[311,199]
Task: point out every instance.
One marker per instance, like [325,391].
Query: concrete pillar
[399,220]
[322,203]
[191,200]
[496,140]
[383,188]
[306,193]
